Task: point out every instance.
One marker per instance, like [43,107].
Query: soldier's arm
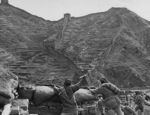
[96,91]
[57,89]
[146,103]
[78,85]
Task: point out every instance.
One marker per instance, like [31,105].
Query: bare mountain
[114,43]
[22,52]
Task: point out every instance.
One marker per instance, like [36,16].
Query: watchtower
[4,2]
[67,16]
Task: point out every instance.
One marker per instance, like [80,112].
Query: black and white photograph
[74,57]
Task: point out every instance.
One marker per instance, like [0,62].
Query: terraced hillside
[114,43]
[22,51]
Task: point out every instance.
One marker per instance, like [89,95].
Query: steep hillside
[19,28]
[114,43]
[22,51]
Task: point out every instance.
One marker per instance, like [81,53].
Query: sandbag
[42,94]
[26,92]
[55,99]
[4,100]
[111,87]
[84,95]
[5,88]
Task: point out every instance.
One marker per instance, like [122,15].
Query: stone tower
[67,16]
[4,2]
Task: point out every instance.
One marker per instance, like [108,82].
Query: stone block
[14,110]
[22,103]
[23,112]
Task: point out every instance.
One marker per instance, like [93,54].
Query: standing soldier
[140,103]
[66,95]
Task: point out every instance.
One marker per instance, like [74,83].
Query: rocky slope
[114,43]
[22,51]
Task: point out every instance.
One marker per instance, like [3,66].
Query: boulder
[21,103]
[7,84]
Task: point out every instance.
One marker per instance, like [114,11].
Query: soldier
[140,103]
[66,95]
[110,99]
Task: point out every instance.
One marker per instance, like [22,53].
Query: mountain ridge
[114,43]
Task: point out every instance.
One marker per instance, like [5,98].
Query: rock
[20,106]
[14,110]
[21,103]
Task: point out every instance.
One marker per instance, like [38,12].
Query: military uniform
[139,101]
[109,100]
[66,95]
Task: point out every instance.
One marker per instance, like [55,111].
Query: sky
[55,9]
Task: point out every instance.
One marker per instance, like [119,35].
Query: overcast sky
[55,9]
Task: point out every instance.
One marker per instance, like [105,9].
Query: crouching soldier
[110,99]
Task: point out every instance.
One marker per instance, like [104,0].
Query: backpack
[111,87]
[138,100]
